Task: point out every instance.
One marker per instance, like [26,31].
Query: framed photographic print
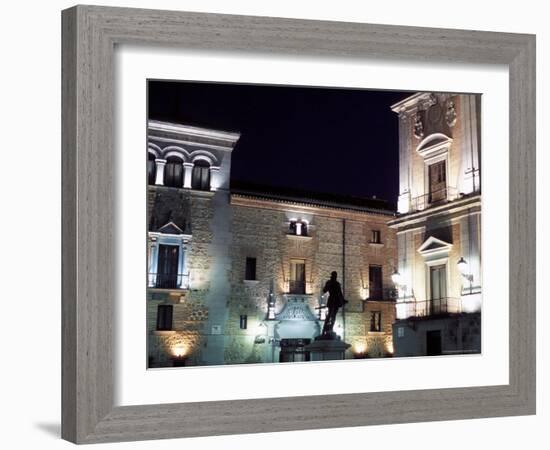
[254,208]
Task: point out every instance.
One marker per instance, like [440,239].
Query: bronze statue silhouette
[335,301]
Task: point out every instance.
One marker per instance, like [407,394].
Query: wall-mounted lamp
[396,278]
[464,269]
[398,281]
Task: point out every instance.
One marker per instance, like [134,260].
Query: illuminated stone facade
[236,276]
[439,225]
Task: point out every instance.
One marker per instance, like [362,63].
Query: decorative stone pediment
[433,246]
[170,228]
[434,145]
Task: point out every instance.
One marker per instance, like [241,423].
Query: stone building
[438,273]
[235,275]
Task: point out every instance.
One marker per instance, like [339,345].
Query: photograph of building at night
[366,200]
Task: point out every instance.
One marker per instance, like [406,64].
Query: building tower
[438,274]
[188,254]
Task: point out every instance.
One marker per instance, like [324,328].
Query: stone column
[153,259]
[470,151]
[214,178]
[187,174]
[403,203]
[183,281]
[160,171]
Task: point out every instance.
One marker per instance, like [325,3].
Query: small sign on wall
[216,329]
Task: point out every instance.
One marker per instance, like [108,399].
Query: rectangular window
[297,276]
[375,282]
[375,321]
[400,332]
[437,179]
[164,317]
[243,323]
[375,237]
[167,268]
[250,270]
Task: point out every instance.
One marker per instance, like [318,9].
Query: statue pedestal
[327,348]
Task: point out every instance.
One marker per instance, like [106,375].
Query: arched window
[201,175]
[151,168]
[173,172]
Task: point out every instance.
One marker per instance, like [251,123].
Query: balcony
[297,287]
[382,294]
[434,198]
[168,280]
[429,308]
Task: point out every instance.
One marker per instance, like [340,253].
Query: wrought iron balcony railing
[382,294]
[434,307]
[434,198]
[297,287]
[168,280]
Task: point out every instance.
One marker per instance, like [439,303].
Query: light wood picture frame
[89,35]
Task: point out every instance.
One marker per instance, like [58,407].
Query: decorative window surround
[298,228]
[435,248]
[433,146]
[192,144]
[436,252]
[433,149]
[182,240]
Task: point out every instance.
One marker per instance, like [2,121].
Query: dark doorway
[438,289]
[293,350]
[167,276]
[433,342]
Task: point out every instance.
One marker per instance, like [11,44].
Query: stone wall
[460,334]
[224,235]
[192,210]
[262,233]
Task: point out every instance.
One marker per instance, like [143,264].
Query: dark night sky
[340,141]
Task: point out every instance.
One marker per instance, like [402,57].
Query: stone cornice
[196,134]
[410,104]
[448,210]
[343,212]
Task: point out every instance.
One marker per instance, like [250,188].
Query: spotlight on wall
[179,350]
[360,350]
